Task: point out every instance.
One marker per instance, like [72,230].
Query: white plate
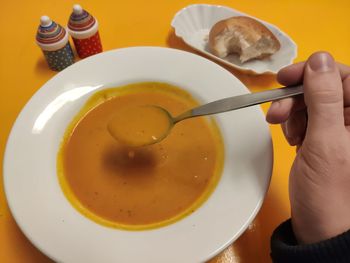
[193,24]
[57,229]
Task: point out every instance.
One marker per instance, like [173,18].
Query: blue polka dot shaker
[54,42]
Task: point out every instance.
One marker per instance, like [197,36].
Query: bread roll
[244,36]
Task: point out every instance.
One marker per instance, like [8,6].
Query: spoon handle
[241,101]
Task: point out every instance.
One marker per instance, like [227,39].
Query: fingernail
[292,140]
[274,106]
[296,140]
[321,62]
[287,130]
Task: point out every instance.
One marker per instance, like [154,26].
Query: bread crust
[251,29]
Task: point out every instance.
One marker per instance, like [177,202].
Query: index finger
[293,74]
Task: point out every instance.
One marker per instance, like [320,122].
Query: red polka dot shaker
[54,42]
[83,28]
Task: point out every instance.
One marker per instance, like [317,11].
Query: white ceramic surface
[193,24]
[50,222]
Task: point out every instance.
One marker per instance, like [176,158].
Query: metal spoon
[223,105]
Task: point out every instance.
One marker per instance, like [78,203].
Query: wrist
[317,227]
[284,247]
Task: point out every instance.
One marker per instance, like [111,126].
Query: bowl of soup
[80,195]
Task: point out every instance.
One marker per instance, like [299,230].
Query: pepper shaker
[54,42]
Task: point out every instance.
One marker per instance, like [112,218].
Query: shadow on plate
[121,160]
[254,244]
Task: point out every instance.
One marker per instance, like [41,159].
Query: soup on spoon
[140,125]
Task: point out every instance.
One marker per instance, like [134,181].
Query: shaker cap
[81,24]
[50,35]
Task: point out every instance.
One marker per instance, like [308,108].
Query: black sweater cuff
[284,248]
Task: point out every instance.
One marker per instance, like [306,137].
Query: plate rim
[6,158]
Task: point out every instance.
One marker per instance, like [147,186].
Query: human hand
[319,125]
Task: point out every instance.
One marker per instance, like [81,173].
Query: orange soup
[144,187]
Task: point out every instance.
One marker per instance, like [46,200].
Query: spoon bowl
[149,124]
[141,125]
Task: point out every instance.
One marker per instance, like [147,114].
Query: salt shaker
[83,28]
[54,42]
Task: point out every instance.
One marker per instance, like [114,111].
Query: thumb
[323,93]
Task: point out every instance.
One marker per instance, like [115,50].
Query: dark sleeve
[284,248]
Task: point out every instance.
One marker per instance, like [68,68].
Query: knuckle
[327,96]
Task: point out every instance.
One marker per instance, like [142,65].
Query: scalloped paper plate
[194,22]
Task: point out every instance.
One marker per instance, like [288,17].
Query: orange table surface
[313,25]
